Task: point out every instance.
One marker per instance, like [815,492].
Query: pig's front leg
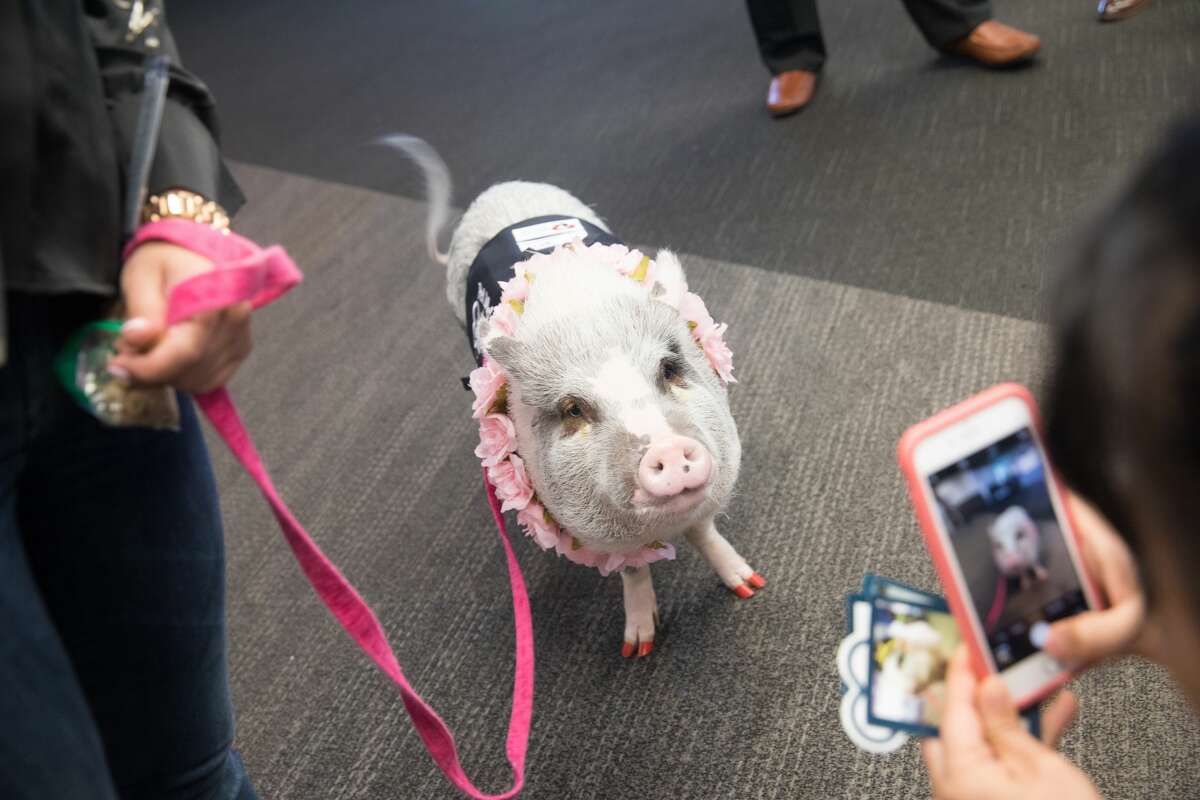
[641,611]
[732,568]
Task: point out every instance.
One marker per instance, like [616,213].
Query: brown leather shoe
[1114,10]
[790,91]
[995,44]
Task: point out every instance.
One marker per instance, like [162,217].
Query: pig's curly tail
[437,185]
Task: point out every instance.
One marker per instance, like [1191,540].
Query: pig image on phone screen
[1008,542]
[1017,546]
[622,424]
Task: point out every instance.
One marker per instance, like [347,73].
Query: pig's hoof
[743,591]
[643,649]
[756,580]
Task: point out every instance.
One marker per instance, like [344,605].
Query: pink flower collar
[497,448]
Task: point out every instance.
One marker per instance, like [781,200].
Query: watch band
[183,204]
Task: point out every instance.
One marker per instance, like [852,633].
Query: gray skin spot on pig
[587,480]
[635,444]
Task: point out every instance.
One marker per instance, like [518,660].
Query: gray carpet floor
[353,396]
[879,256]
[957,184]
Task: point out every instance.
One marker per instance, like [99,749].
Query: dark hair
[1123,405]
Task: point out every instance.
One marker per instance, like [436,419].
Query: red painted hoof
[645,648]
[627,649]
[756,580]
[743,591]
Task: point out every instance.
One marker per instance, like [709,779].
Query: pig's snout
[673,465]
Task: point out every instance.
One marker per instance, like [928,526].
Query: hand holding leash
[196,355]
[247,274]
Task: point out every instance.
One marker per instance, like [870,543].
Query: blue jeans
[113,678]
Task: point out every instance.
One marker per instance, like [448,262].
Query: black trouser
[789,31]
[113,678]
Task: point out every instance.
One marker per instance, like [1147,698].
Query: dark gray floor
[353,397]
[910,173]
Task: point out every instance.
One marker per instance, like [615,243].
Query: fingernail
[627,649]
[120,373]
[743,591]
[645,648]
[134,325]
[1039,634]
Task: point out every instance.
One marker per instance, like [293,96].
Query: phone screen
[1009,544]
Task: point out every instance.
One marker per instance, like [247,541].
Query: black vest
[510,246]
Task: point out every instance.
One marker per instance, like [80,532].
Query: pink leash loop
[246,273]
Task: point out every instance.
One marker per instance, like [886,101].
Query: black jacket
[71,75]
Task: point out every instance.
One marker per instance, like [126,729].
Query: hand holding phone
[1123,627]
[984,753]
[1001,536]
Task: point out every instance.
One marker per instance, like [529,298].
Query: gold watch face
[182,204]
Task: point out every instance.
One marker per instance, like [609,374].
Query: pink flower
[537,524]
[616,256]
[504,320]
[497,438]
[485,381]
[666,552]
[720,357]
[692,309]
[574,550]
[516,289]
[511,482]
[530,266]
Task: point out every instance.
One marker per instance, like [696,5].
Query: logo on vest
[480,310]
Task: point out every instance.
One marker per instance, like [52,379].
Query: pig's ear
[670,284]
[510,354]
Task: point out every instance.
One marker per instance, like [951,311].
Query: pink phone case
[957,596]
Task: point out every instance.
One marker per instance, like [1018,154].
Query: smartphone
[996,523]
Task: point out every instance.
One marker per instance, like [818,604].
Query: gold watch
[181,204]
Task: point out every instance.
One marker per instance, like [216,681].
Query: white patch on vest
[618,382]
[545,235]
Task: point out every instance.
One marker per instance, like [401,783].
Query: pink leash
[246,273]
[998,601]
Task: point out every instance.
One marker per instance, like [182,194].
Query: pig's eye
[573,412]
[669,371]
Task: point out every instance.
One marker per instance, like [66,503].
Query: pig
[1017,546]
[623,427]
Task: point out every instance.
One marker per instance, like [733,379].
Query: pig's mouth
[687,500]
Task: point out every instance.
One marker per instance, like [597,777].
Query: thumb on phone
[1094,635]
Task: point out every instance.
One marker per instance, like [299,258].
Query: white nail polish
[1038,633]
